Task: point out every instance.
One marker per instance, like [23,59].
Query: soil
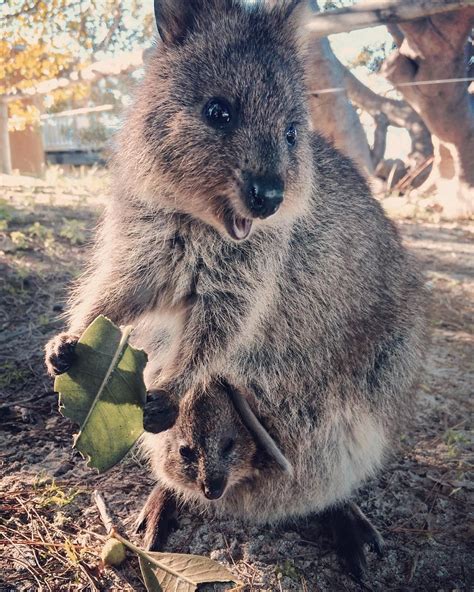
[51,533]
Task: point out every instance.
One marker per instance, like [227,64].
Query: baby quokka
[247,251]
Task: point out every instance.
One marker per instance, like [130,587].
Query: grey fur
[318,314]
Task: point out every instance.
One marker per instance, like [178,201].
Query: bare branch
[380,138]
[373,13]
[398,113]
[121,64]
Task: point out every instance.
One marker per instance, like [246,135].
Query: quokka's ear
[298,13]
[176,19]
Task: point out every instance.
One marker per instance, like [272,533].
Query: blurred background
[396,97]
[68,69]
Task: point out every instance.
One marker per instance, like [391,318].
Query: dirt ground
[51,534]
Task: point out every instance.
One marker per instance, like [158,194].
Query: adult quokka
[241,245]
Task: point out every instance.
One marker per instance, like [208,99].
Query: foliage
[42,40]
[372,56]
[73,230]
[19,239]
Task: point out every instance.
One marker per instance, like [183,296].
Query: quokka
[247,251]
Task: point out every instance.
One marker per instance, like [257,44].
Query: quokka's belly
[329,465]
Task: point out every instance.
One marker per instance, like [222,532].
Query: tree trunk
[5,156]
[433,49]
[332,113]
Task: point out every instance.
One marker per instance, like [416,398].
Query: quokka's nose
[214,488]
[264,195]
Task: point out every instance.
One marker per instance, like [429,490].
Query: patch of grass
[11,374]
[288,570]
[37,230]
[5,210]
[50,493]
[19,239]
[455,440]
[74,231]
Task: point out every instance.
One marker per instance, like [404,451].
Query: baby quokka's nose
[214,488]
[264,195]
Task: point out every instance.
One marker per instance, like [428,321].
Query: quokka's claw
[352,530]
[60,353]
[160,412]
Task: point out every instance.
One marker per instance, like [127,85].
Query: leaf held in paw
[181,572]
[104,393]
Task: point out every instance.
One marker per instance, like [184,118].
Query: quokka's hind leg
[351,530]
[157,518]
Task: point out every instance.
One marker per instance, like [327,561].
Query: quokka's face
[208,450]
[226,128]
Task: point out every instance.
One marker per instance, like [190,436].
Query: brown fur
[222,448]
[318,313]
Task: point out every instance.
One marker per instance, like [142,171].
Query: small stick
[103,511]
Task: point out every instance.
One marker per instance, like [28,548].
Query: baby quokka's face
[208,449]
[227,128]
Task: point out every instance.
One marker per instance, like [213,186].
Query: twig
[85,570]
[103,511]
[413,568]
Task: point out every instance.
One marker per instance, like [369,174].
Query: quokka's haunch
[248,251]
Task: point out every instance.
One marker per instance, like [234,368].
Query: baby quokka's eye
[218,113]
[291,135]
[188,453]
[228,446]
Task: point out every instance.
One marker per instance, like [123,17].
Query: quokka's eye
[218,113]
[228,446]
[187,453]
[291,135]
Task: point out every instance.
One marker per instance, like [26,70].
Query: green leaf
[104,393]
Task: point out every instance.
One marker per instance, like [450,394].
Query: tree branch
[121,64]
[373,13]
[398,113]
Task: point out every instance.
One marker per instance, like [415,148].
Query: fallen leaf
[178,572]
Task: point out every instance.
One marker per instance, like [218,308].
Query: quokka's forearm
[119,294]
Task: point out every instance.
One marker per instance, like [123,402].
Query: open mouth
[238,227]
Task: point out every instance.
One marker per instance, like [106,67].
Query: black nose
[214,488]
[264,195]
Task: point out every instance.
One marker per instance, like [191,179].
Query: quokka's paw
[352,530]
[60,353]
[160,411]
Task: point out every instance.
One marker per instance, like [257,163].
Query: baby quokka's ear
[177,19]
